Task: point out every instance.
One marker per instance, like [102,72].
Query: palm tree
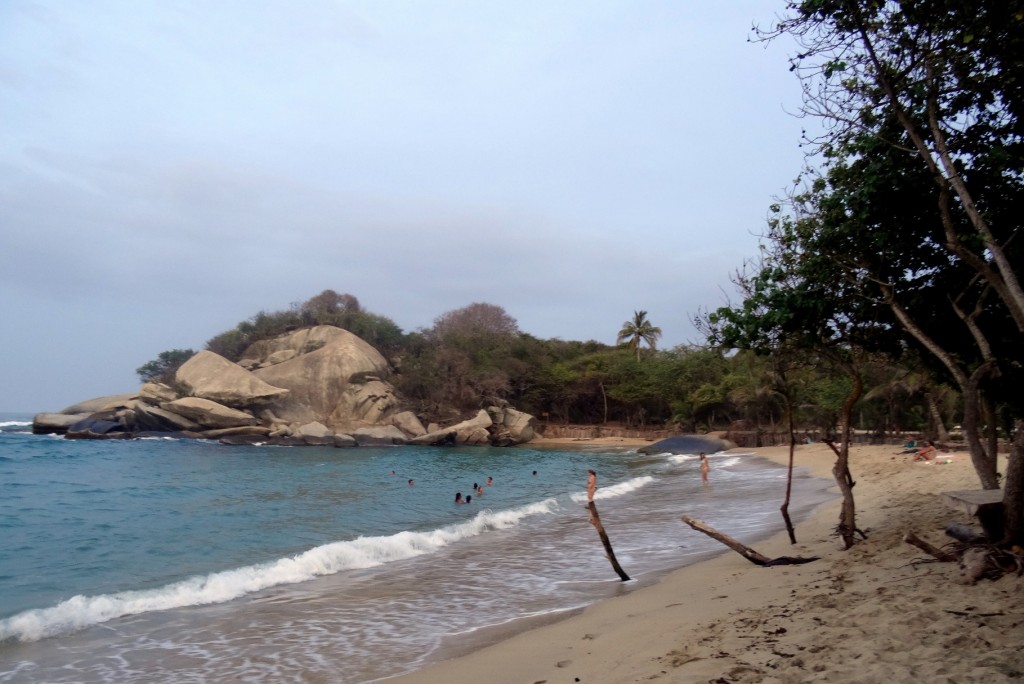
[639,330]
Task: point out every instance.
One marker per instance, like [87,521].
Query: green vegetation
[887,296]
[162,368]
[476,356]
[638,330]
[903,248]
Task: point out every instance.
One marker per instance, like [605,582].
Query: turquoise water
[167,560]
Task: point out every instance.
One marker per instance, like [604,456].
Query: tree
[929,93]
[638,330]
[163,367]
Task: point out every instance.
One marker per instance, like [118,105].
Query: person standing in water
[705,468]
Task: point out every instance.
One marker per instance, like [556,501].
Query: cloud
[170,170]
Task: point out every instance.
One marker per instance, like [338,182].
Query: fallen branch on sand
[940,554]
[977,557]
[745,551]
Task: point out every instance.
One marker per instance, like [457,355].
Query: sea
[166,560]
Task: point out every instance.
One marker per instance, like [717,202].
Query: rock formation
[316,386]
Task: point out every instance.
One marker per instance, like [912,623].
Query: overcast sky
[168,169]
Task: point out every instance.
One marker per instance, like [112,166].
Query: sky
[169,169]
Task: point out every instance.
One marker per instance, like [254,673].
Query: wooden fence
[553,431]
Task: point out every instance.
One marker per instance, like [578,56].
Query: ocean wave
[616,489]
[15,423]
[80,612]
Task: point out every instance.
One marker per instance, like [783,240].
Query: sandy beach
[881,611]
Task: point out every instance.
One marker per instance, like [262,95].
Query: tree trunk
[841,469]
[789,469]
[595,520]
[941,433]
[984,462]
[1013,492]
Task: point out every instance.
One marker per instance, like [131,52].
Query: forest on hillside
[476,356]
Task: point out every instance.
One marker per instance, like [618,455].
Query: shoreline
[871,613]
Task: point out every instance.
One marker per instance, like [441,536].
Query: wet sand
[881,611]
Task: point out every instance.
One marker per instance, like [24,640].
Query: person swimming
[458,498]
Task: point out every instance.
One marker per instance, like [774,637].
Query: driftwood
[595,520]
[745,551]
[914,540]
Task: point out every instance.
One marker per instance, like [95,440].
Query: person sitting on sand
[927,453]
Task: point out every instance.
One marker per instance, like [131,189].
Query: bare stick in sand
[745,551]
[938,553]
[595,520]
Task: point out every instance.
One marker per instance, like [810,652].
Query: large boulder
[512,426]
[150,418]
[334,378]
[379,435]
[156,393]
[208,414]
[688,444]
[105,403]
[408,423]
[472,432]
[55,423]
[210,376]
[59,422]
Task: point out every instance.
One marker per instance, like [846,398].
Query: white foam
[15,423]
[617,489]
[79,612]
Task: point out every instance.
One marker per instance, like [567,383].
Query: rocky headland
[315,386]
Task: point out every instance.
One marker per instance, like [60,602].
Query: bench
[984,504]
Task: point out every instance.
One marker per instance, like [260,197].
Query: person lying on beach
[927,453]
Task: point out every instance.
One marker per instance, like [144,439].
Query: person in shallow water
[705,468]
[458,498]
[490,481]
[469,498]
